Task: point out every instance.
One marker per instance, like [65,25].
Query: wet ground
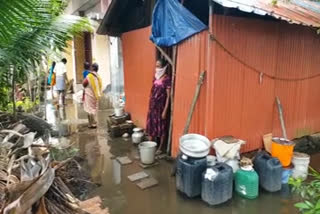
[122,196]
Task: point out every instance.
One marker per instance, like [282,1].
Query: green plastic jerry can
[247,183]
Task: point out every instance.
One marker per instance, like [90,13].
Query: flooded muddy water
[122,196]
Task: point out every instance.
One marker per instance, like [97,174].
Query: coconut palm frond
[30,30]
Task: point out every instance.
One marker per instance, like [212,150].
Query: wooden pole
[194,102]
[174,56]
[193,105]
[165,55]
[283,127]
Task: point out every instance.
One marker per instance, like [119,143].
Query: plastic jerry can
[247,183]
[217,184]
[269,170]
[189,175]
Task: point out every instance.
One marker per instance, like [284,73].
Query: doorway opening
[168,54]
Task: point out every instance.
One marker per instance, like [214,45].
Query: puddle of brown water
[123,197]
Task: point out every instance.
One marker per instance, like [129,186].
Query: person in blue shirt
[51,73]
[86,69]
[52,78]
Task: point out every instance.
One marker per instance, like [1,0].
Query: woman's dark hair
[87,65]
[53,64]
[64,60]
[95,67]
[162,61]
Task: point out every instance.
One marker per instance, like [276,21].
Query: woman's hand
[164,115]
[85,83]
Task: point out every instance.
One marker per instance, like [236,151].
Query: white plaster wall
[100,55]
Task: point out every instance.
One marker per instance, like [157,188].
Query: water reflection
[116,171]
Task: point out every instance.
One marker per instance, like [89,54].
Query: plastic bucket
[119,112]
[283,150]
[301,165]
[286,174]
[147,152]
[234,163]
[194,145]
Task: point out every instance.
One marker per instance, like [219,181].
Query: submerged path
[122,196]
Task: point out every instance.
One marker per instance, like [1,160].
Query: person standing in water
[86,69]
[85,74]
[52,77]
[93,91]
[61,77]
[157,119]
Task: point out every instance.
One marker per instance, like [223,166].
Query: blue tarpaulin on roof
[172,23]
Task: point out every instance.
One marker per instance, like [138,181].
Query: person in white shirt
[61,76]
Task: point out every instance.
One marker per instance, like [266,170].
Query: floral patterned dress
[156,126]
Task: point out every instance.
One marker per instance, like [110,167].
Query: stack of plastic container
[189,175]
[283,150]
[228,150]
[247,182]
[217,184]
[301,165]
[269,170]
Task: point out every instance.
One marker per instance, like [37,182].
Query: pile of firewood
[28,175]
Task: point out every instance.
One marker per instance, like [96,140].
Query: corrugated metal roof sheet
[302,12]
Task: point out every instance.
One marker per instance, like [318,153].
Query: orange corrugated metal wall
[241,105]
[233,100]
[190,63]
[139,60]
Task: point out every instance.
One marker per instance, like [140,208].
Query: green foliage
[63,154]
[27,105]
[309,193]
[4,98]
[30,31]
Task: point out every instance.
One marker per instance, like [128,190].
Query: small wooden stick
[62,163]
[194,102]
[165,56]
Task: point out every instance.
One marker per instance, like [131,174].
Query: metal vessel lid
[137,129]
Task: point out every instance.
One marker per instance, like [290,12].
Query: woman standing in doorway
[157,120]
[93,91]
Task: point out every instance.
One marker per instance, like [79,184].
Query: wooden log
[280,110]
[194,102]
[172,99]
[165,55]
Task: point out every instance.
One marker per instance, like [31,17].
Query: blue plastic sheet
[173,23]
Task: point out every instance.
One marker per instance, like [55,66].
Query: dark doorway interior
[87,47]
